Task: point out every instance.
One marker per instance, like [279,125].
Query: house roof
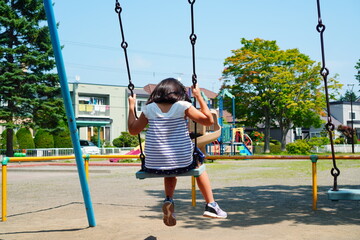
[149,88]
[209,94]
[227,116]
[324,117]
[139,92]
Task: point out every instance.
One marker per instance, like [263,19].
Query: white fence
[45,152]
[339,148]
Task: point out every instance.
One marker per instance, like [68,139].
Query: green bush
[62,138]
[94,140]
[257,137]
[300,146]
[275,148]
[25,138]
[275,142]
[3,140]
[43,139]
[318,141]
[258,149]
[339,140]
[126,140]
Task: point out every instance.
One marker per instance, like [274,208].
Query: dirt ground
[45,202]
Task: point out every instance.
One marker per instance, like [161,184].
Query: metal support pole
[86,165]
[193,191]
[4,189]
[352,127]
[314,159]
[98,140]
[69,110]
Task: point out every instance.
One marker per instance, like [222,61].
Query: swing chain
[193,38]
[131,86]
[124,45]
[324,72]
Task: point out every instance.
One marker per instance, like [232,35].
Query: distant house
[104,108]
[99,107]
[342,111]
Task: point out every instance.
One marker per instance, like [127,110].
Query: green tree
[62,138]
[274,87]
[25,138]
[43,139]
[348,97]
[3,140]
[126,140]
[29,93]
[357,67]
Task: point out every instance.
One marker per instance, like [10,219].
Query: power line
[111,48]
[119,70]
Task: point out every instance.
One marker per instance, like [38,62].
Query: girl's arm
[135,125]
[203,116]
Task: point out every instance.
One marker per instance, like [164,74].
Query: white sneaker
[212,210]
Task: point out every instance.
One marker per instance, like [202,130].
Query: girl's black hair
[169,90]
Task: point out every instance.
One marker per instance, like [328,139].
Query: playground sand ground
[264,200]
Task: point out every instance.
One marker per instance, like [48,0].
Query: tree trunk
[267,132]
[284,132]
[9,142]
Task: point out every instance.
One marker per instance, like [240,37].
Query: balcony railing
[93,110]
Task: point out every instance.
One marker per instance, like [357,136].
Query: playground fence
[49,152]
[339,148]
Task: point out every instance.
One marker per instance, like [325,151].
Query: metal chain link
[193,38]
[131,86]
[335,172]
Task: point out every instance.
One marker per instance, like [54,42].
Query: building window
[92,100]
[353,115]
[140,104]
[315,134]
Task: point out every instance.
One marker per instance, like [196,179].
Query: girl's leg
[212,209]
[168,206]
[203,182]
[170,184]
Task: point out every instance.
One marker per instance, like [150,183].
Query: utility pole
[352,117]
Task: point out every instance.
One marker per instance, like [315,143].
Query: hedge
[25,138]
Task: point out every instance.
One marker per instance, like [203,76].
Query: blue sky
[158,32]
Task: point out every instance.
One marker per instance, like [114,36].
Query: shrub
[62,138]
[257,137]
[339,140]
[94,140]
[275,142]
[25,138]
[3,140]
[275,148]
[298,147]
[43,139]
[258,149]
[318,141]
[126,140]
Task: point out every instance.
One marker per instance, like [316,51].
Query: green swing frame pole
[69,111]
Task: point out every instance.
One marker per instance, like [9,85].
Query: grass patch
[276,169]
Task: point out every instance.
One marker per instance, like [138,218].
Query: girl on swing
[168,147]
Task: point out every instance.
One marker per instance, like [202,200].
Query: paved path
[264,200]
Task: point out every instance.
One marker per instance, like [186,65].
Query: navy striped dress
[168,147]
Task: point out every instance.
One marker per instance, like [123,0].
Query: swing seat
[194,172]
[344,194]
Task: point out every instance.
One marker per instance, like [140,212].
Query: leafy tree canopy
[357,67]
[29,92]
[348,97]
[275,87]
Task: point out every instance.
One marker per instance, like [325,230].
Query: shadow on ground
[250,206]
